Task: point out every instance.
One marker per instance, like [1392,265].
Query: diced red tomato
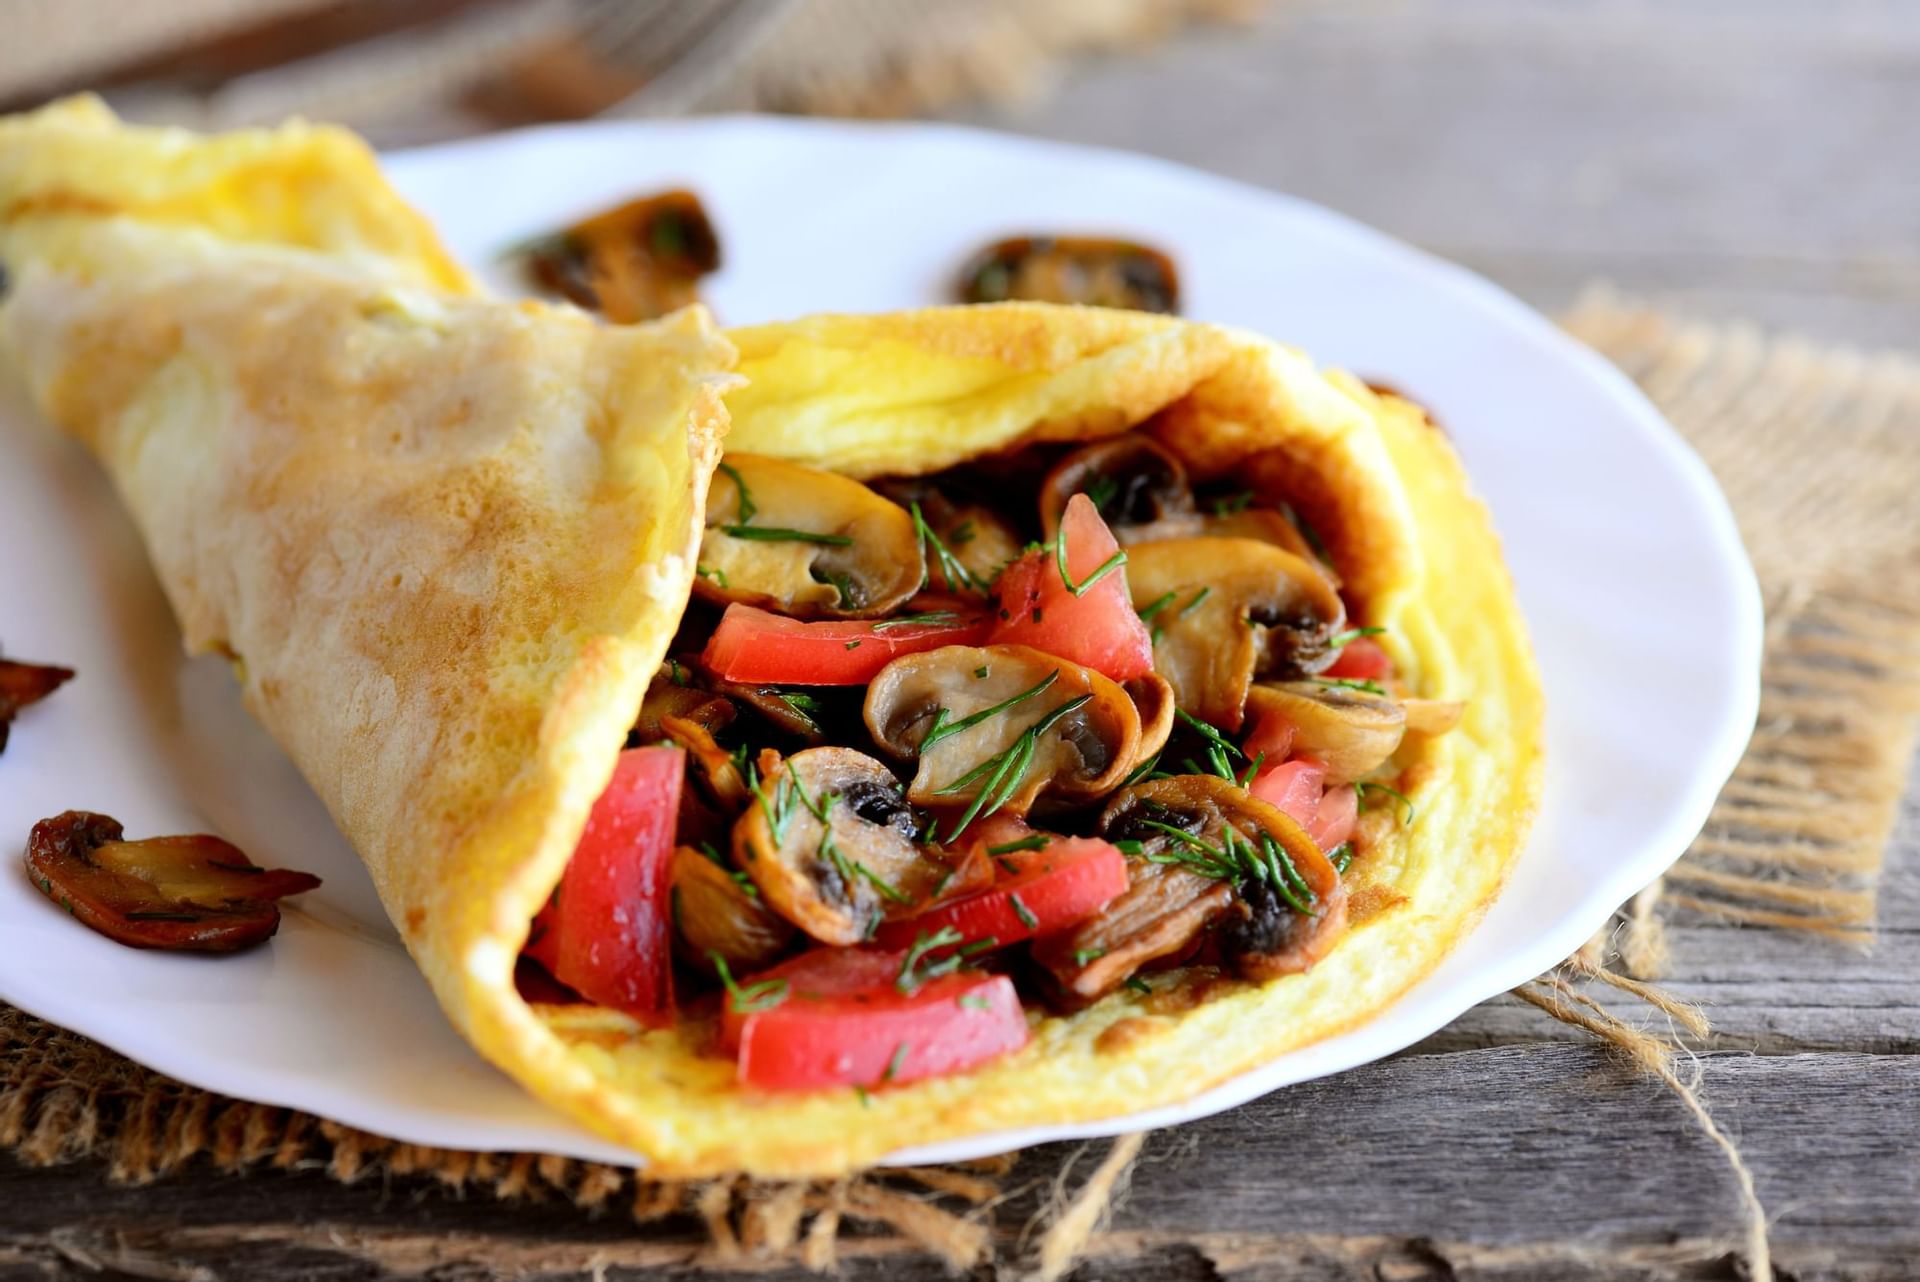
[1270,739]
[1334,817]
[841,1020]
[1293,787]
[1048,890]
[1098,628]
[1361,659]
[1297,788]
[757,647]
[608,935]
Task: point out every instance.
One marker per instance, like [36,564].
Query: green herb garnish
[1038,841]
[959,578]
[1194,604]
[942,728]
[974,1001]
[1233,503]
[1363,788]
[1101,491]
[894,1064]
[1138,984]
[1081,956]
[1351,683]
[779,534]
[1342,856]
[913,974]
[747,505]
[1005,769]
[1024,913]
[1141,771]
[1340,639]
[753,998]
[713,572]
[932,618]
[1085,585]
[1158,604]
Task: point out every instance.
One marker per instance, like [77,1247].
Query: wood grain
[1741,158]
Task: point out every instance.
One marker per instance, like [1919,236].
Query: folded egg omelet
[446,540]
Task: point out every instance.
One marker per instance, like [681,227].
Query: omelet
[446,540]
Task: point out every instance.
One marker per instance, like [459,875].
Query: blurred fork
[675,50]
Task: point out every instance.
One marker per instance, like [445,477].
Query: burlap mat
[1819,450]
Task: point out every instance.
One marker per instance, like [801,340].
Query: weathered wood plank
[1543,1161]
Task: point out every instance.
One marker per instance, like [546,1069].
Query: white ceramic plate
[1643,607]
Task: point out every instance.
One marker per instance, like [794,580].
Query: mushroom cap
[839,876]
[1141,487]
[809,543]
[1079,754]
[1226,610]
[1349,731]
[714,913]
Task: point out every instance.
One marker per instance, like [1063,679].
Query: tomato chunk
[837,1017]
[758,647]
[1335,816]
[1292,787]
[1361,659]
[1096,627]
[608,935]
[1040,892]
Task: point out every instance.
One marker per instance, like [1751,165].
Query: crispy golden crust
[449,539]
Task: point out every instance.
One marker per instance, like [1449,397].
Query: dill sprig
[1085,585]
[850,869]
[959,578]
[1101,491]
[942,728]
[1341,856]
[1038,841]
[1005,769]
[1237,858]
[916,969]
[1232,503]
[1363,788]
[1352,683]
[752,998]
[1156,605]
[780,534]
[1194,604]
[747,506]
[930,619]
[1339,640]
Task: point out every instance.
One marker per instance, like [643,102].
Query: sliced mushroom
[1163,910]
[714,767]
[1139,488]
[1350,731]
[1007,723]
[808,543]
[1093,271]
[184,894]
[1268,526]
[1153,700]
[718,910]
[673,693]
[632,263]
[1432,716]
[25,683]
[979,540]
[832,844]
[1286,904]
[1224,611]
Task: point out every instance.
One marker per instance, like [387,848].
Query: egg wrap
[445,540]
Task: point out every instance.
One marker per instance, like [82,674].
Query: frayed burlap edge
[1817,449]
[1813,447]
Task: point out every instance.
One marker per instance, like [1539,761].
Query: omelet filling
[929,752]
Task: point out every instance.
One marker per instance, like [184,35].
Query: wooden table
[1742,158]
